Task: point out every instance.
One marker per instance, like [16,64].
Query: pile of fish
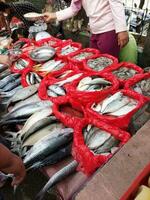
[115,105]
[33,78]
[99,63]
[100,141]
[93,83]
[50,66]
[124,73]
[21,64]
[143,87]
[68,49]
[83,55]
[57,89]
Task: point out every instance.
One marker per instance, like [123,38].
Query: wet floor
[27,191]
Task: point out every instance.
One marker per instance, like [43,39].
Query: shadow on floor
[28,190]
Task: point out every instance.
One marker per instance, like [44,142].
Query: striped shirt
[19,9]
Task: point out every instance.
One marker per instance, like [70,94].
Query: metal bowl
[42,54]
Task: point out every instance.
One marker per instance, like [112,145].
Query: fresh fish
[53,158]
[7,79]
[50,93]
[48,145]
[143,87]
[82,56]
[124,73]
[31,99]
[68,49]
[91,131]
[107,146]
[57,89]
[32,122]
[24,93]
[64,74]
[57,177]
[10,93]
[51,65]
[32,139]
[125,109]
[99,63]
[15,121]
[26,110]
[109,100]
[98,138]
[116,105]
[11,85]
[69,79]
[32,78]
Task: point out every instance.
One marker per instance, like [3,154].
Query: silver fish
[124,73]
[57,89]
[57,177]
[48,145]
[99,63]
[82,55]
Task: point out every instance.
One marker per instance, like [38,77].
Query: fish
[68,49]
[26,111]
[11,85]
[11,92]
[53,158]
[3,67]
[99,63]
[124,73]
[92,84]
[7,79]
[83,55]
[31,99]
[107,146]
[5,73]
[69,79]
[48,145]
[64,74]
[98,138]
[143,87]
[32,78]
[57,177]
[57,89]
[51,65]
[32,122]
[32,139]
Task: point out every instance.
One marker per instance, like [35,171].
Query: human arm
[4,59]
[11,164]
[118,14]
[64,14]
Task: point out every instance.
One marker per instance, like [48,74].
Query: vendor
[18,10]
[107,23]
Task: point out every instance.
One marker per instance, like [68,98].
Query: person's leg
[93,41]
[108,43]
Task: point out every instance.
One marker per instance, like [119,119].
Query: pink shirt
[104,15]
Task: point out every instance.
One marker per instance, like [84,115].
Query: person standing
[106,19]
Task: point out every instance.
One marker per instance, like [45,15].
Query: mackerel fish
[33,78]
[115,105]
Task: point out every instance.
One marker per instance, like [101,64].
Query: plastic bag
[70,43]
[79,63]
[24,58]
[85,97]
[24,79]
[127,65]
[51,41]
[52,73]
[130,83]
[112,58]
[88,161]
[69,111]
[124,120]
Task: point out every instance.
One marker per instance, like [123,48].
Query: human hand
[49,16]
[19,171]
[123,38]
[4,59]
